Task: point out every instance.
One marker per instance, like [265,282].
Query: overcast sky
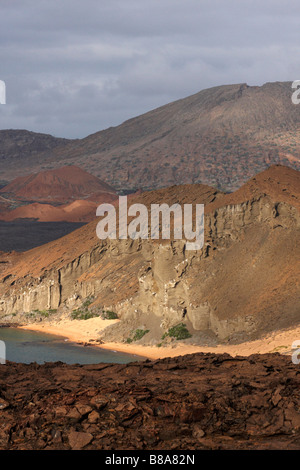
[73,67]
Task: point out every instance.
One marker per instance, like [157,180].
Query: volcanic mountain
[17,146]
[77,211]
[65,194]
[242,284]
[61,185]
[220,136]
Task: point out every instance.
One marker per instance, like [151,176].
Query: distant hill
[20,147]
[77,211]
[60,185]
[67,194]
[221,136]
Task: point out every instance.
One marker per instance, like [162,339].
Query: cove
[27,346]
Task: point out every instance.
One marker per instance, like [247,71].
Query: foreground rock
[199,401]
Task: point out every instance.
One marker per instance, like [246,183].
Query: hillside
[17,146]
[61,185]
[221,137]
[242,284]
[77,211]
[67,194]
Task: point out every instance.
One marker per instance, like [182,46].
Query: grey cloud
[72,67]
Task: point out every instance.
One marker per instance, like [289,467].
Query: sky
[72,68]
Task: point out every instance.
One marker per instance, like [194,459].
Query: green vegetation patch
[83,314]
[178,332]
[109,315]
[137,335]
[42,313]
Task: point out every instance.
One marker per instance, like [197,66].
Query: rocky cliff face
[243,282]
[176,285]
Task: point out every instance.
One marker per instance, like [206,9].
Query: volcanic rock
[200,401]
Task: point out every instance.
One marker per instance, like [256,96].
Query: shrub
[109,315]
[137,335]
[52,310]
[87,302]
[178,332]
[85,314]
[43,313]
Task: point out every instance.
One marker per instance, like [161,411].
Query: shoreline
[87,332]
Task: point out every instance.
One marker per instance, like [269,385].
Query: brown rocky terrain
[17,146]
[76,211]
[61,185]
[221,137]
[243,284]
[67,194]
[192,402]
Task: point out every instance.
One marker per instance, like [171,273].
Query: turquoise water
[30,346]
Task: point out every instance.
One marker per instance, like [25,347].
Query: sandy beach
[87,331]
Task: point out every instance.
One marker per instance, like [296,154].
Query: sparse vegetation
[178,332]
[83,314]
[279,348]
[42,313]
[137,335]
[88,301]
[109,315]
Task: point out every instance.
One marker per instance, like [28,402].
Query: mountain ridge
[220,136]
